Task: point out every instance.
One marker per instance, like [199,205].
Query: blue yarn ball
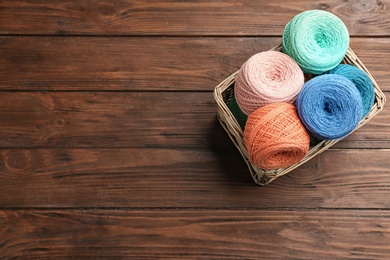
[329,106]
[362,82]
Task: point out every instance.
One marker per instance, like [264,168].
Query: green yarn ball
[317,40]
[240,116]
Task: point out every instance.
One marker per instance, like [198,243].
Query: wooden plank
[192,234]
[145,63]
[105,63]
[168,17]
[193,178]
[107,119]
[131,120]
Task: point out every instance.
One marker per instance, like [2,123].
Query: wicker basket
[224,92]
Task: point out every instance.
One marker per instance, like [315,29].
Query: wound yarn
[329,106]
[265,78]
[362,82]
[275,137]
[240,116]
[317,40]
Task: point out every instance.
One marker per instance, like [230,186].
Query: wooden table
[110,147]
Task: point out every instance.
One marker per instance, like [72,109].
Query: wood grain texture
[107,119]
[132,120]
[146,63]
[110,147]
[195,178]
[206,234]
[131,64]
[168,17]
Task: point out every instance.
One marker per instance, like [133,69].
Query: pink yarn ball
[265,78]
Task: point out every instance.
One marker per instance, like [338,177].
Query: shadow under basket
[225,91]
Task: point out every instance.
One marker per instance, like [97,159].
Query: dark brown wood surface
[183,234]
[169,17]
[146,63]
[110,147]
[187,178]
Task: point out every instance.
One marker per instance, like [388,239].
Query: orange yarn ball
[275,137]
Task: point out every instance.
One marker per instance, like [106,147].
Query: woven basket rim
[231,126]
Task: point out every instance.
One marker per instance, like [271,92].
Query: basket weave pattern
[225,91]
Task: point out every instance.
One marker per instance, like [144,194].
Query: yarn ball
[275,137]
[265,78]
[362,82]
[240,116]
[317,40]
[329,106]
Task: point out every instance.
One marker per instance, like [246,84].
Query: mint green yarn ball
[240,116]
[317,40]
